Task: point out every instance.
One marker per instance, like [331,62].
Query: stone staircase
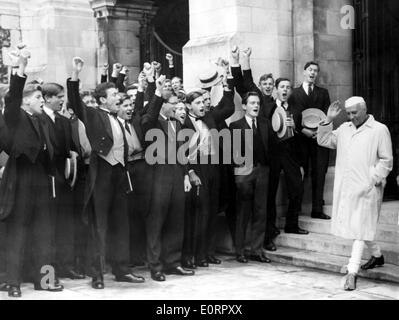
[320,249]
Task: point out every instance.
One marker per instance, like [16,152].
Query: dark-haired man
[285,155]
[60,131]
[109,223]
[307,96]
[252,179]
[27,185]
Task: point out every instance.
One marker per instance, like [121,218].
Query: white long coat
[364,159]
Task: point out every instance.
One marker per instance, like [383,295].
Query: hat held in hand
[312,117]
[212,76]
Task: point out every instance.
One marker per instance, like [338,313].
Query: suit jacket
[266,134]
[320,99]
[25,140]
[4,135]
[99,133]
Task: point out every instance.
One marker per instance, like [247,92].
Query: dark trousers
[29,228]
[205,207]
[138,207]
[318,158]
[189,220]
[165,220]
[251,208]
[81,235]
[227,197]
[110,224]
[64,227]
[293,179]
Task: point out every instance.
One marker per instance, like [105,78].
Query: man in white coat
[364,160]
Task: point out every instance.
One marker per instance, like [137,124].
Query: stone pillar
[119,28]
[216,26]
[55,31]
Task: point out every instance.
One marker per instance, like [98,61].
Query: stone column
[55,31]
[216,26]
[119,28]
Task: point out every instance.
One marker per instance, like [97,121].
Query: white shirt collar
[164,117]
[49,112]
[279,104]
[249,121]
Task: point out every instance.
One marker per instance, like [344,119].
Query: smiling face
[357,114]
[311,73]
[197,107]
[284,90]
[180,112]
[34,102]
[176,84]
[267,86]
[252,107]
[126,110]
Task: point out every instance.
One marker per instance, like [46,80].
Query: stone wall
[55,31]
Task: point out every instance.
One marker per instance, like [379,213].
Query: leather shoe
[180,271]
[130,277]
[72,274]
[158,276]
[296,231]
[260,258]
[188,264]
[373,262]
[203,264]
[4,287]
[213,260]
[14,292]
[270,246]
[320,215]
[97,283]
[51,287]
[242,259]
[350,282]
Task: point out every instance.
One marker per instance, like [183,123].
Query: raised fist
[125,70]
[149,70]
[169,57]
[235,54]
[141,79]
[247,52]
[77,64]
[105,68]
[117,67]
[19,56]
[160,83]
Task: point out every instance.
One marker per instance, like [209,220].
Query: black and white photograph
[200,155]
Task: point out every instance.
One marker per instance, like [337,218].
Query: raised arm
[74,99]
[149,120]
[171,67]
[104,73]
[225,108]
[326,137]
[236,72]
[13,99]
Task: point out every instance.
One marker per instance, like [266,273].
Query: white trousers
[357,252]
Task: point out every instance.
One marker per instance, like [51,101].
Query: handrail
[156,35]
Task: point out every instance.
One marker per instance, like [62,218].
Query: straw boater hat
[278,122]
[210,77]
[312,117]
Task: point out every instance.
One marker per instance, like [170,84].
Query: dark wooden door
[376,68]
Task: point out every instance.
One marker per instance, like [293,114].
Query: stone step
[328,262]
[329,244]
[389,212]
[385,232]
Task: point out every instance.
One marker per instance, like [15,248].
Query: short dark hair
[265,77]
[248,95]
[101,90]
[51,89]
[279,80]
[311,63]
[192,96]
[86,93]
[133,86]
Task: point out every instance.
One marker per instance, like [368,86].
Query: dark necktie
[125,145]
[310,91]
[127,127]
[254,128]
